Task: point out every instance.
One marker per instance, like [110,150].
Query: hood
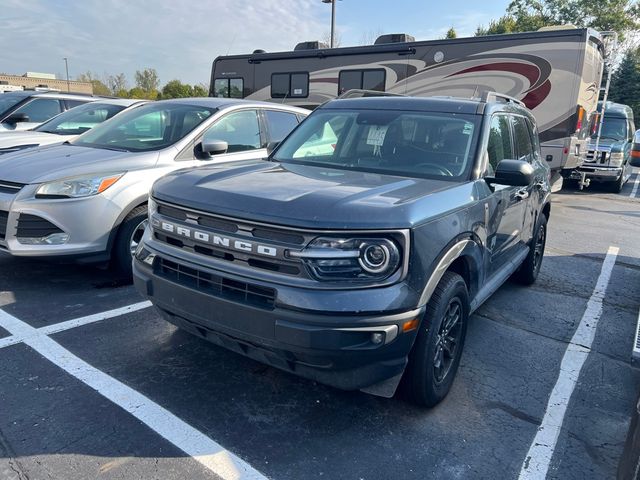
[43,164]
[312,197]
[9,140]
[608,145]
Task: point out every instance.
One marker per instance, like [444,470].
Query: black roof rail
[490,95]
[357,93]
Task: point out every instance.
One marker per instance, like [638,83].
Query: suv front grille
[601,157]
[10,187]
[4,216]
[215,285]
[32,226]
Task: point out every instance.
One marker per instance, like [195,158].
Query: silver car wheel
[136,236]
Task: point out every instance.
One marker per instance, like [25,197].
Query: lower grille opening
[32,226]
[215,285]
[4,216]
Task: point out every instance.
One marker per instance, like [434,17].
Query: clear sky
[181,39]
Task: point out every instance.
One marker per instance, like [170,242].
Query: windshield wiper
[115,149]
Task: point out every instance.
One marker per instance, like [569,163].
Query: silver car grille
[10,187]
[4,216]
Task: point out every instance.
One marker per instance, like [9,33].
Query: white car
[66,126]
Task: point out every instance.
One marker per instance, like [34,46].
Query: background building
[31,80]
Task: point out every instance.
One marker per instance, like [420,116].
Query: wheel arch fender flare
[467,247]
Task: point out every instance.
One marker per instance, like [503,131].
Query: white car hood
[17,139]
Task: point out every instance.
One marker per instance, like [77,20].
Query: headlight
[152,207]
[353,259]
[76,187]
[616,159]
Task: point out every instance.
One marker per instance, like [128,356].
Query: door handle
[522,194]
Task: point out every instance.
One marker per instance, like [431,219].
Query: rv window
[522,139]
[290,85]
[228,87]
[372,79]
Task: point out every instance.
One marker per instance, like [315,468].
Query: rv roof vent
[259,50]
[394,38]
[4,82]
[550,28]
[315,45]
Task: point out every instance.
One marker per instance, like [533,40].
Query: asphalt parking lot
[125,395]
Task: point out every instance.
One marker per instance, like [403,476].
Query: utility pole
[66,66]
[333,19]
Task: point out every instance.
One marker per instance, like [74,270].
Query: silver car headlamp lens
[152,207]
[354,259]
[76,187]
[616,159]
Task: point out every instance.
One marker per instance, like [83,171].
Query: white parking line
[635,186]
[78,322]
[538,459]
[191,441]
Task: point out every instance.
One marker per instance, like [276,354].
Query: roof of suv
[430,104]
[219,102]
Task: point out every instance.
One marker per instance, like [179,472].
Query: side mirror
[17,118]
[635,150]
[214,147]
[515,173]
[271,146]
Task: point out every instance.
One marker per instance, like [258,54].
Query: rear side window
[290,85]
[499,147]
[40,109]
[228,87]
[522,139]
[371,79]
[74,103]
[280,124]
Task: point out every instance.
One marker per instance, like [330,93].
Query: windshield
[613,128]
[7,101]
[153,126]
[80,119]
[413,144]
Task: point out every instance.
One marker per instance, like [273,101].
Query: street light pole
[333,19]
[66,66]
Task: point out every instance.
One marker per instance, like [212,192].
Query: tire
[528,271]
[616,187]
[424,383]
[130,231]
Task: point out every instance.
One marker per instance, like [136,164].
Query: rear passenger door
[507,206]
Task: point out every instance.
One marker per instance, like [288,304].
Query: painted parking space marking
[188,439]
[77,322]
[636,183]
[538,459]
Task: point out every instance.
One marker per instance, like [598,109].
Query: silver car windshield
[406,143]
[80,119]
[150,127]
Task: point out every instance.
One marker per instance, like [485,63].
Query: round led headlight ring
[375,257]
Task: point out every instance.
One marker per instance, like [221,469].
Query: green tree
[99,88]
[200,90]
[117,84]
[147,79]
[451,33]
[625,82]
[176,89]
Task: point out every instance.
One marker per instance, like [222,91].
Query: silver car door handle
[522,194]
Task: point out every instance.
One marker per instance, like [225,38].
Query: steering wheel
[438,168]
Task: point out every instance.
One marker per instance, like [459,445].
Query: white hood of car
[16,139]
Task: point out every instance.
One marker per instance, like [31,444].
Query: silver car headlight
[76,187]
[616,159]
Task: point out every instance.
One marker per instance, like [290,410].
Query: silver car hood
[13,139]
[43,164]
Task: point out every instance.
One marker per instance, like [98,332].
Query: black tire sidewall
[121,253]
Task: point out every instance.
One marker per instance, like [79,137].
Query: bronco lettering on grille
[216,240]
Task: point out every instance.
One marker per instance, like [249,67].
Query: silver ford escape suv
[87,199]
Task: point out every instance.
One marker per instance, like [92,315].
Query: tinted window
[146,128]
[372,79]
[79,120]
[280,124]
[413,144]
[74,103]
[522,139]
[8,100]
[228,87]
[499,146]
[299,85]
[279,85]
[239,129]
[40,109]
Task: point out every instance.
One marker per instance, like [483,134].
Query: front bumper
[603,174]
[336,348]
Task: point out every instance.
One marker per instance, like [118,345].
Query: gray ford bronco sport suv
[356,252]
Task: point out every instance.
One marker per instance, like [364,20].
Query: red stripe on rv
[530,72]
[537,96]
